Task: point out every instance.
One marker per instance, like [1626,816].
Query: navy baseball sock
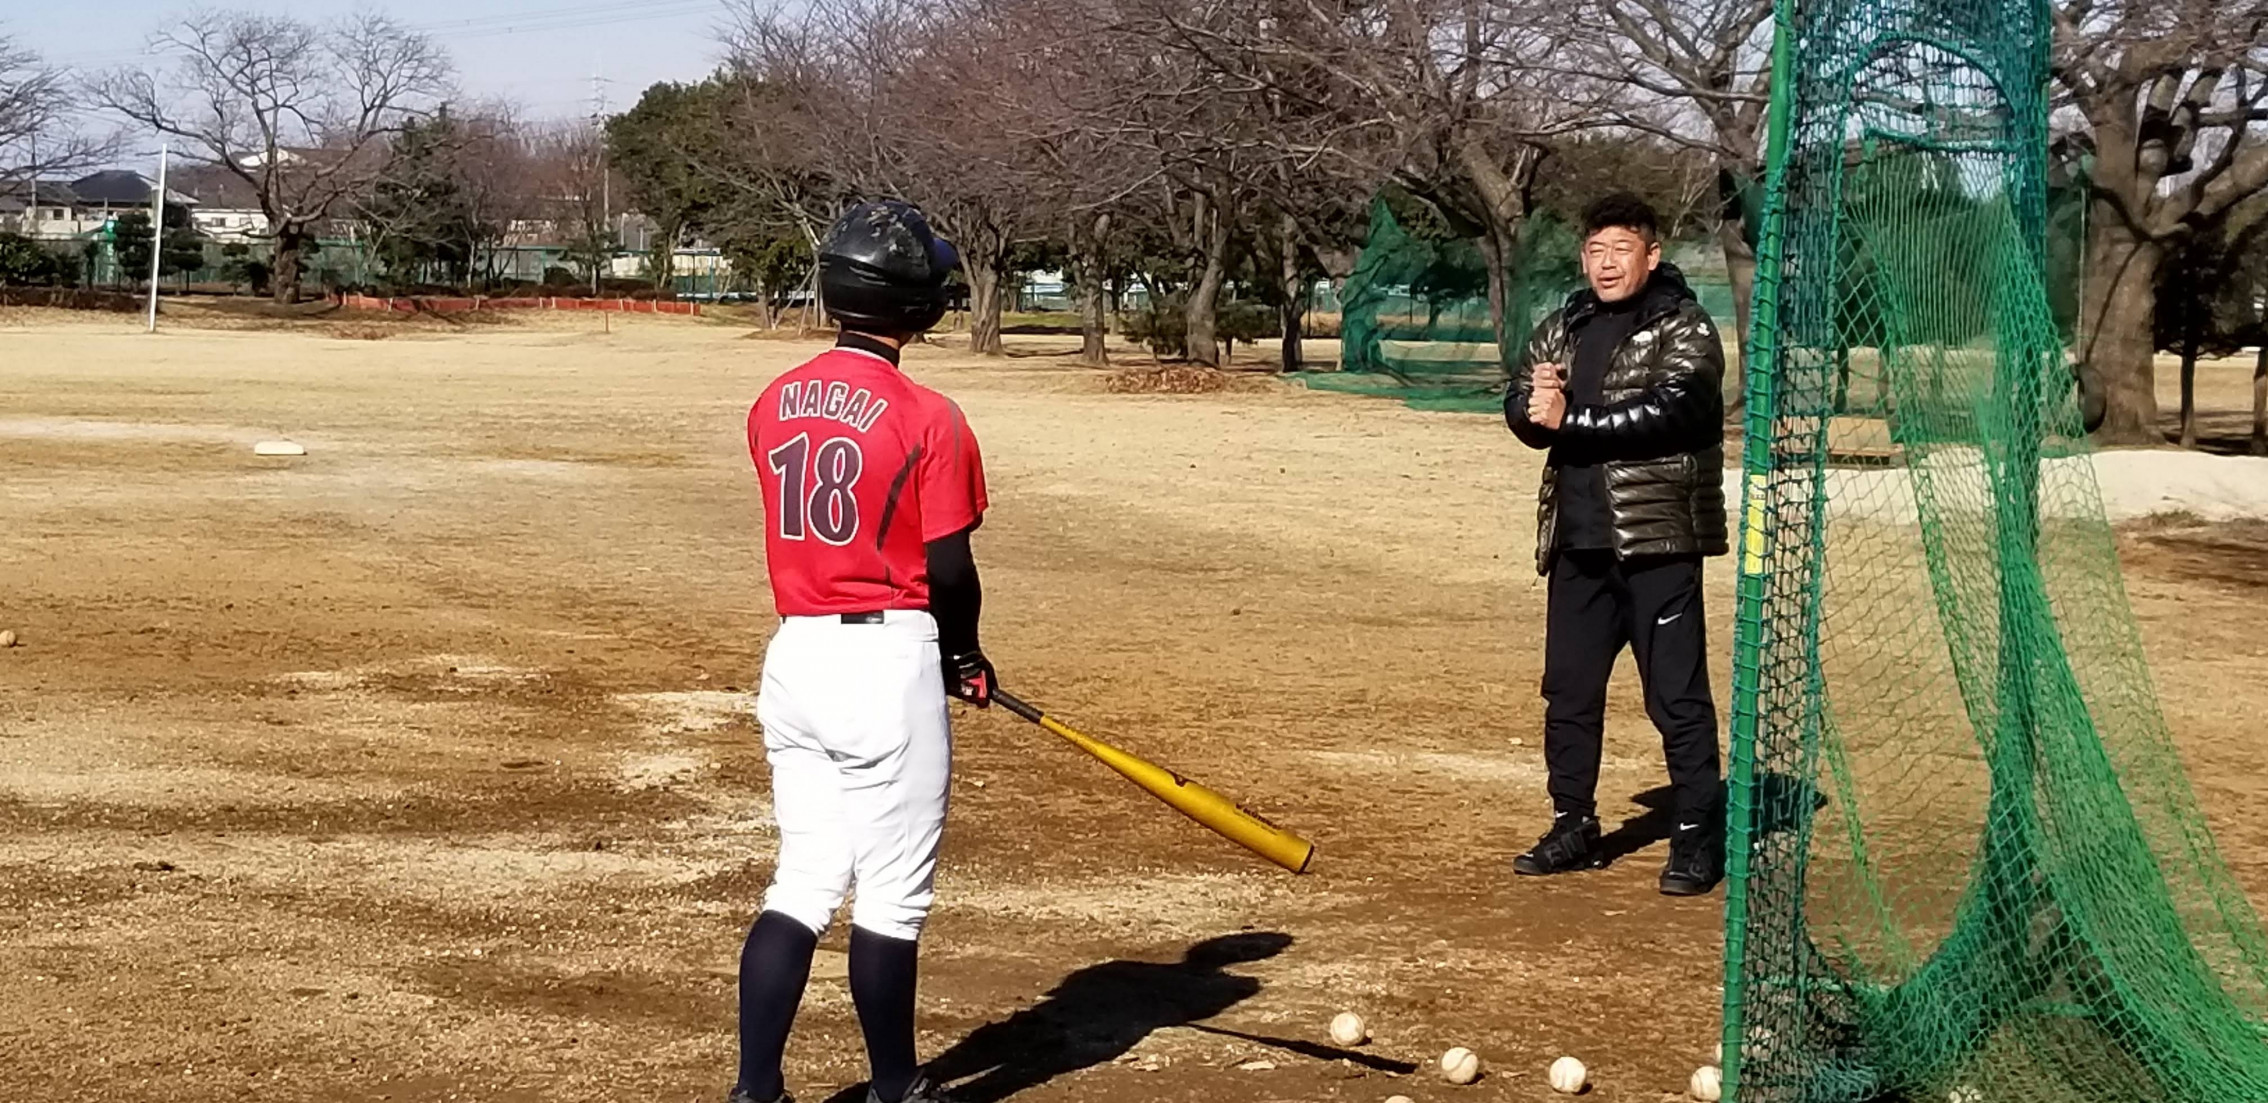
[775,964]
[882,988]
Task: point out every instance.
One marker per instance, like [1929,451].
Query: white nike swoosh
[1667,619]
[1687,826]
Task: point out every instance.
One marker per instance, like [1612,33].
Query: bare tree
[1265,109]
[1455,100]
[923,101]
[300,113]
[448,193]
[1087,175]
[951,121]
[494,171]
[573,193]
[35,138]
[1698,73]
[2174,98]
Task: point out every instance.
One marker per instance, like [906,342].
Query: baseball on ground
[1347,1029]
[1707,1084]
[1568,1076]
[7,637]
[1460,1066]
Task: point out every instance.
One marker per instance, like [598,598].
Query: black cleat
[741,1096]
[1696,861]
[1572,844]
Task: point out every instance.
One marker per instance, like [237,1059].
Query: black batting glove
[969,677]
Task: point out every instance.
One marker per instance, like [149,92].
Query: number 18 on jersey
[861,468]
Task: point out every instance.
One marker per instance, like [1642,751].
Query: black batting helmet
[881,269]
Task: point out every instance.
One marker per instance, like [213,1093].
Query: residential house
[83,207]
[42,208]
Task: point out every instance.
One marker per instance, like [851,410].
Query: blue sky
[539,53]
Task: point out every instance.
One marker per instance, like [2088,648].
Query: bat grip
[1016,705]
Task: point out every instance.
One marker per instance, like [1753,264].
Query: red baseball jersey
[861,468]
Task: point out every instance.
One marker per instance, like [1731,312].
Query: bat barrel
[1199,803]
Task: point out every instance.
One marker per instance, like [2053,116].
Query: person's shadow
[1788,804]
[1642,830]
[1100,1013]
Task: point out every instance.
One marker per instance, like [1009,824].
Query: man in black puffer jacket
[1625,386]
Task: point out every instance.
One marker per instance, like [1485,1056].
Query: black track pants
[1597,606]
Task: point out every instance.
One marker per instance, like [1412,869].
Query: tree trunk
[2189,390]
[1200,313]
[290,243]
[766,317]
[2260,402]
[2116,326]
[984,303]
[1503,191]
[1291,314]
[664,250]
[1493,252]
[1740,274]
[1092,273]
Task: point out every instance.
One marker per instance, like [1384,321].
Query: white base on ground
[278,448]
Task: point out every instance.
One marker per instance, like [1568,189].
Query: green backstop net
[1966,863]
[1414,320]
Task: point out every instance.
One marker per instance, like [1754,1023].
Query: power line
[615,12]
[567,19]
[576,17]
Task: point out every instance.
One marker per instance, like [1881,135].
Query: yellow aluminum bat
[1195,801]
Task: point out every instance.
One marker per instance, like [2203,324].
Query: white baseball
[1707,1085]
[1568,1076]
[1347,1029]
[7,637]
[1460,1066]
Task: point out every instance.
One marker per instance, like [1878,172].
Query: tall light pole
[157,231]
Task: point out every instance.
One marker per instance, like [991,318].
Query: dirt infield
[419,767]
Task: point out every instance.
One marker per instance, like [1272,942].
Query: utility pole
[602,250]
[157,231]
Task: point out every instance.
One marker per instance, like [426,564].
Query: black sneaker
[741,1096]
[922,1090]
[1571,844]
[1696,859]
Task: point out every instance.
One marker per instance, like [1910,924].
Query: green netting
[1965,862]
[1414,319]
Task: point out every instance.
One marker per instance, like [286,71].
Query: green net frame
[1964,861]
[1414,317]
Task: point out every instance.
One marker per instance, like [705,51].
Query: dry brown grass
[421,766]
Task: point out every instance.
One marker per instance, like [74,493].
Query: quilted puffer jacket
[1659,431]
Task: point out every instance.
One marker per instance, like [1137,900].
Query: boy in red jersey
[872,485]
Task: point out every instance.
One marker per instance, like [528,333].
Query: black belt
[862,618]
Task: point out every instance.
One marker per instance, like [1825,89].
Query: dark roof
[124,188]
[214,186]
[113,186]
[15,195]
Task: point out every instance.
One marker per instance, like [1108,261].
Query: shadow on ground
[1642,830]
[1100,1013]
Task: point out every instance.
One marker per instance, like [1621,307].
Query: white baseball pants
[861,749]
